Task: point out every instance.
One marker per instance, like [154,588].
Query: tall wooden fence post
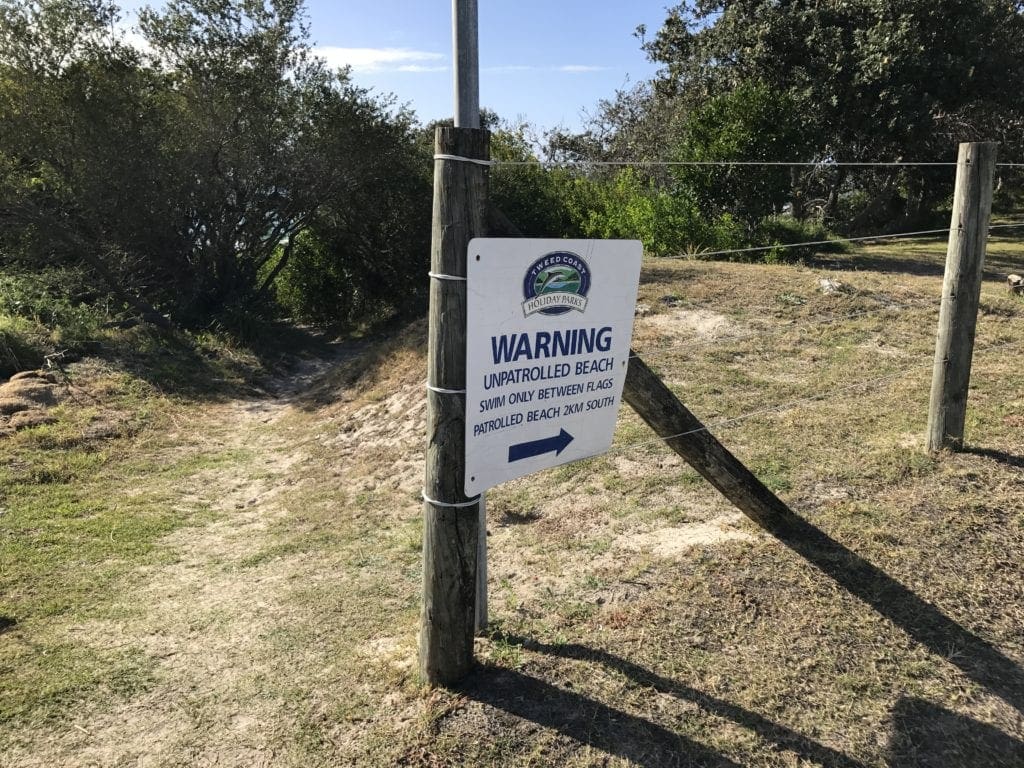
[961,294]
[451,521]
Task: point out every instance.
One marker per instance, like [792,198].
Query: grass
[80,516]
[231,577]
[88,501]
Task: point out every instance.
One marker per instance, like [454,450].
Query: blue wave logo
[556,283]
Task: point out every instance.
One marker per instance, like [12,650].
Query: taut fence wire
[866,384]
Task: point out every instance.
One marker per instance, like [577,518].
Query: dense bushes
[171,177]
[46,312]
[225,176]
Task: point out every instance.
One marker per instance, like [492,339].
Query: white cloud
[421,68]
[577,68]
[130,35]
[381,59]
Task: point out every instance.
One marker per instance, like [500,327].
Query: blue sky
[546,62]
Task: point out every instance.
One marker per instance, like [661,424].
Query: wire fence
[811,322]
[777,246]
[862,385]
[835,240]
[590,163]
[750,163]
[834,392]
[584,163]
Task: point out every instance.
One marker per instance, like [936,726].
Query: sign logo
[555,284]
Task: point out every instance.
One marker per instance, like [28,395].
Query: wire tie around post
[439,276]
[442,391]
[447,505]
[461,159]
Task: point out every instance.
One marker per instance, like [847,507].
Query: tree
[255,134]
[365,255]
[81,168]
[177,172]
[750,123]
[867,79]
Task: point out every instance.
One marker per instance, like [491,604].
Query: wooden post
[961,293]
[466,60]
[687,436]
[451,521]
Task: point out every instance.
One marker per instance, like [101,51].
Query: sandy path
[205,619]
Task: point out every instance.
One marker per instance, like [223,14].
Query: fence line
[710,163]
[795,324]
[718,163]
[821,242]
[787,405]
[864,238]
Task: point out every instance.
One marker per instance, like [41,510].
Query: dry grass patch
[636,619]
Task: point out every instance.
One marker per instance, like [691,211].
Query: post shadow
[655,403]
[768,730]
[981,661]
[925,735]
[1002,457]
[649,744]
[588,721]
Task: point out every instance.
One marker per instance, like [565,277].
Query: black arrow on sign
[540,447]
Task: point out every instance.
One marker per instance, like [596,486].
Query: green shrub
[784,230]
[354,270]
[51,309]
[752,122]
[19,351]
[668,222]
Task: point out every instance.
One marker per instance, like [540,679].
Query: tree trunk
[832,203]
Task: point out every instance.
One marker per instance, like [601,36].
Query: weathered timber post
[451,521]
[466,71]
[654,402]
[480,623]
[961,293]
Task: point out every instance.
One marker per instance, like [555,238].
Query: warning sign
[549,324]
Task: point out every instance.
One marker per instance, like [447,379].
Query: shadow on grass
[1002,457]
[588,721]
[176,363]
[386,353]
[926,266]
[669,272]
[646,743]
[927,736]
[925,258]
[634,738]
[981,661]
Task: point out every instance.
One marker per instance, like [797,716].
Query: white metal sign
[549,324]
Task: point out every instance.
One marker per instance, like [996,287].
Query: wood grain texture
[961,293]
[450,535]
